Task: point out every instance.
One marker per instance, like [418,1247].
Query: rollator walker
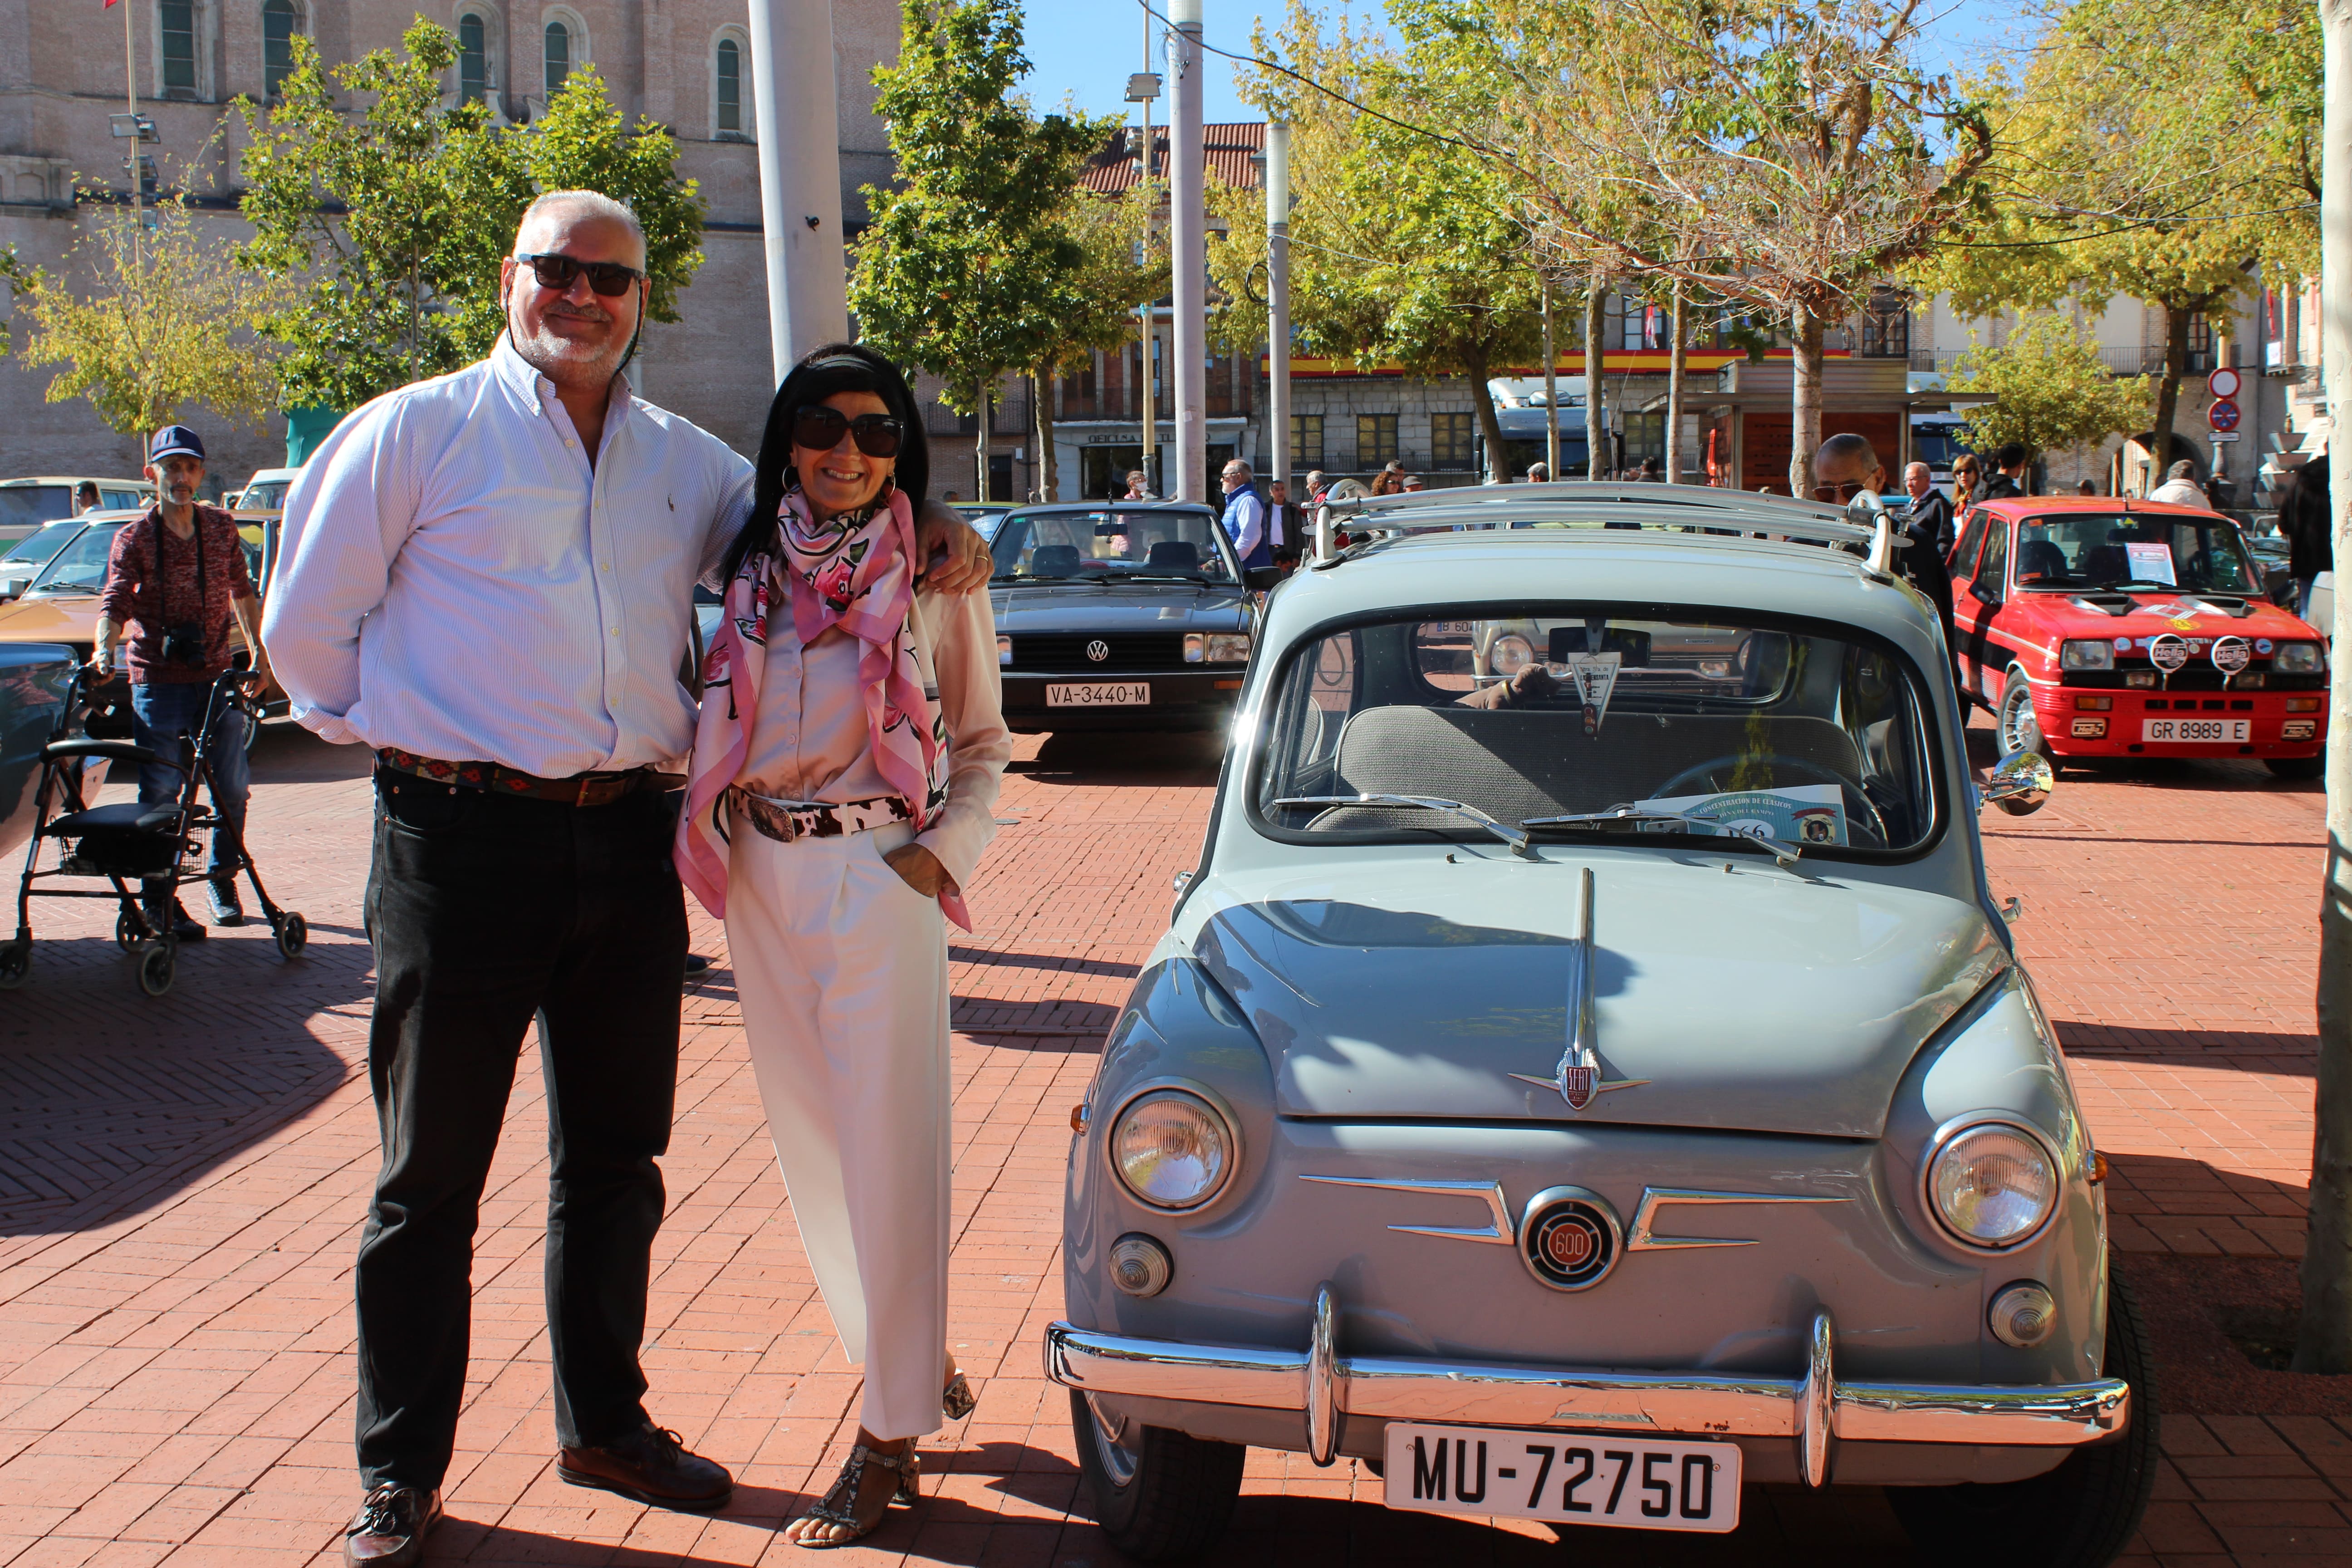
[129,843]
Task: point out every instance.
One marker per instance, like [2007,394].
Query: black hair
[835,367]
[2012,453]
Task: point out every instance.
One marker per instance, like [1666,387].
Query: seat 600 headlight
[1172,1147]
[1990,1183]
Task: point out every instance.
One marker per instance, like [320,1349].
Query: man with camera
[176,581]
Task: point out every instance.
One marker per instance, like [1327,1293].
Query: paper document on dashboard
[1793,813]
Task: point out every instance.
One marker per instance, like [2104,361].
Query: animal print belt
[785,820]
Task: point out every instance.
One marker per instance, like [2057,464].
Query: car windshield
[1110,544]
[29,506]
[39,546]
[269,495]
[1809,738]
[81,566]
[2074,551]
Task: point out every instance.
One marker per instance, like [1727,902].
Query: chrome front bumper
[1811,1409]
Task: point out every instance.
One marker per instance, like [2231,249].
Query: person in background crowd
[1538,473]
[2086,487]
[1653,472]
[1968,482]
[950,498]
[1846,469]
[1135,488]
[2307,518]
[1244,519]
[178,576]
[2009,480]
[1388,481]
[1283,525]
[2180,486]
[1931,514]
[85,498]
[1409,485]
[1315,487]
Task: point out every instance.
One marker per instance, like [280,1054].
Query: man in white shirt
[2180,486]
[488,580]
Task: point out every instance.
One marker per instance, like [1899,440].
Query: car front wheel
[1162,1496]
[2020,731]
[2079,1515]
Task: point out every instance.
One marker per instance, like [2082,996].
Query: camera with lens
[184,644]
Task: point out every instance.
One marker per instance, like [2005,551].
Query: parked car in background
[1119,616]
[1580,1099]
[33,681]
[24,560]
[26,504]
[265,492]
[983,515]
[2094,627]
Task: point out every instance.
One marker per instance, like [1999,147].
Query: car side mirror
[2021,784]
[1258,579]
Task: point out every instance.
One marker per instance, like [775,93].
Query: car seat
[1055,561]
[2039,561]
[1176,555]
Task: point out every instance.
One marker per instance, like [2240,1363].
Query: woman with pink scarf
[845,771]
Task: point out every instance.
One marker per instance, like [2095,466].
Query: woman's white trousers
[842,972]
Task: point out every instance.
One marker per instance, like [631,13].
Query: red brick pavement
[182,1183]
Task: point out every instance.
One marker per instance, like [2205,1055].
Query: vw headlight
[1172,1149]
[1510,654]
[2297,658]
[2088,655]
[1216,647]
[1992,1184]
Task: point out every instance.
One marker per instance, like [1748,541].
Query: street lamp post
[1142,87]
[1277,300]
[1189,258]
[798,125]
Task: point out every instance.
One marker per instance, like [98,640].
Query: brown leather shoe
[649,1466]
[390,1529]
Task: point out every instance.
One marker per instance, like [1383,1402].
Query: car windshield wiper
[70,588]
[1783,854]
[1510,835]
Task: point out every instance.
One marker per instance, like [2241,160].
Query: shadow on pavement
[2242,1049]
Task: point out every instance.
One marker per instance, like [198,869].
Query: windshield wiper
[71,588]
[1783,854]
[1510,835]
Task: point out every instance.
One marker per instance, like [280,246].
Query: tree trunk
[979,446]
[1551,392]
[1804,399]
[1041,386]
[2168,390]
[2324,1343]
[1490,429]
[1674,390]
[1600,452]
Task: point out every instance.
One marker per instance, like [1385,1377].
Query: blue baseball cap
[176,441]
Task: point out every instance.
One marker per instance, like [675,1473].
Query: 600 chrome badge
[1570,1238]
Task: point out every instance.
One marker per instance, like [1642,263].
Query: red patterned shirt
[153,583]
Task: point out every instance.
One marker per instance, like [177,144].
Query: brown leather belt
[494,778]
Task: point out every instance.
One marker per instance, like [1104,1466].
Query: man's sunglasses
[606,277]
[820,429]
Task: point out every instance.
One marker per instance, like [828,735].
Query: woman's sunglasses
[606,277]
[820,429]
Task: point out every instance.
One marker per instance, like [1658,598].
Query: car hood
[2194,616]
[71,618]
[1083,607]
[1753,1000]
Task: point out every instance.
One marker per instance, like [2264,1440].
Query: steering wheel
[1704,772]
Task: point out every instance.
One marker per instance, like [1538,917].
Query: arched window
[559,56]
[730,89]
[279,22]
[473,60]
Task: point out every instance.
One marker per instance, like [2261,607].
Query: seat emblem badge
[1578,1084]
[1099,650]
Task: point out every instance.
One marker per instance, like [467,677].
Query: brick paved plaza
[183,1182]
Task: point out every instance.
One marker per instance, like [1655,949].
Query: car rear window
[1769,730]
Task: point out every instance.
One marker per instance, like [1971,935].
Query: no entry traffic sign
[2222,383]
[2223,416]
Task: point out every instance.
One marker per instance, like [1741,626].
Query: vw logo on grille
[1569,1238]
[1099,650]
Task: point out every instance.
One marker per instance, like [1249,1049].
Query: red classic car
[2098,627]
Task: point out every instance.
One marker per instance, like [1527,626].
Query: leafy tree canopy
[2049,390]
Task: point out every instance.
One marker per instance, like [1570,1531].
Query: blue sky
[1083,49]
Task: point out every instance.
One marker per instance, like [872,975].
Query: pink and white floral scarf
[857,572]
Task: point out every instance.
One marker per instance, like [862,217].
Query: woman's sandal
[957,1400]
[850,1483]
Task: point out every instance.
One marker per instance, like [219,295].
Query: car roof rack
[1658,512]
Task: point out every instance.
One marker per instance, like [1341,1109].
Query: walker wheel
[126,930]
[293,934]
[155,961]
[15,963]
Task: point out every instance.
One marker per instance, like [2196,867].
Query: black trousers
[485,912]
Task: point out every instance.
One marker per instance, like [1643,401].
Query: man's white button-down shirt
[456,581]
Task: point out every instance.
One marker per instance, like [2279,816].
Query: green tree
[2049,390]
[167,322]
[968,262]
[1123,263]
[1403,250]
[391,222]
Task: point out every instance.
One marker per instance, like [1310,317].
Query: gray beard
[560,358]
